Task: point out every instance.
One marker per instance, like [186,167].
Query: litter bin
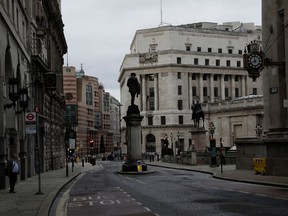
[259,165]
[139,166]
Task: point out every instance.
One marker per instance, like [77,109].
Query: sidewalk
[26,201]
[229,173]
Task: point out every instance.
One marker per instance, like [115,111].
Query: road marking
[245,192]
[264,195]
[149,210]
[139,203]
[140,181]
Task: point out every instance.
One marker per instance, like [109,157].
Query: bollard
[82,162]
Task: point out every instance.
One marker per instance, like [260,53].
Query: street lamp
[212,129]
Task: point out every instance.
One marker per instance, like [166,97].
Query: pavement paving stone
[25,202]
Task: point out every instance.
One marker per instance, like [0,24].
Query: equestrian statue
[197,113]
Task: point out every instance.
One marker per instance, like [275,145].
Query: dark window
[228,63]
[205,90]
[217,62]
[151,104]
[226,78]
[150,120]
[215,77]
[193,76]
[199,49]
[209,49]
[151,77]
[236,92]
[205,76]
[178,60]
[230,51]
[206,61]
[188,47]
[236,78]
[254,91]
[240,52]
[226,92]
[238,63]
[179,90]
[89,98]
[194,91]
[180,105]
[163,120]
[151,92]
[195,61]
[219,50]
[179,75]
[216,92]
[180,118]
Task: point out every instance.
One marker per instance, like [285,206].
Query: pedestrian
[13,169]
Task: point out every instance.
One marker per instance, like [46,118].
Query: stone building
[31,57]
[272,148]
[91,112]
[177,65]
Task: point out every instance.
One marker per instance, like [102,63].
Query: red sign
[30,117]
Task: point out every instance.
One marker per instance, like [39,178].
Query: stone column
[156,91]
[133,136]
[201,98]
[143,92]
[222,87]
[212,99]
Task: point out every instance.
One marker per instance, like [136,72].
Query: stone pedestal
[133,137]
[198,136]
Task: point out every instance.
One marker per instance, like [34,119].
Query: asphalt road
[167,192]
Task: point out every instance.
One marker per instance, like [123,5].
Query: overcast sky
[99,32]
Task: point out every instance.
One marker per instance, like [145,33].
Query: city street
[166,192]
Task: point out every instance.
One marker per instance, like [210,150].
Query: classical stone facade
[177,65]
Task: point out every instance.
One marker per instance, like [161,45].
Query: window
[178,60]
[209,49]
[194,91]
[205,76]
[151,105]
[236,92]
[150,120]
[180,119]
[236,78]
[216,92]
[206,61]
[254,91]
[163,120]
[238,63]
[228,63]
[219,50]
[193,76]
[205,91]
[195,61]
[226,92]
[179,75]
[179,90]
[180,105]
[226,78]
[188,47]
[240,52]
[215,78]
[151,77]
[217,62]
[88,95]
[230,51]
[198,49]
[151,92]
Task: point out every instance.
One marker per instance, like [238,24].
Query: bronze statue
[197,113]
[134,87]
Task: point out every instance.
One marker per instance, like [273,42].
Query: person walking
[13,168]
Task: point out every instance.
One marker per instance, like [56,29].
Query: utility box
[260,165]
